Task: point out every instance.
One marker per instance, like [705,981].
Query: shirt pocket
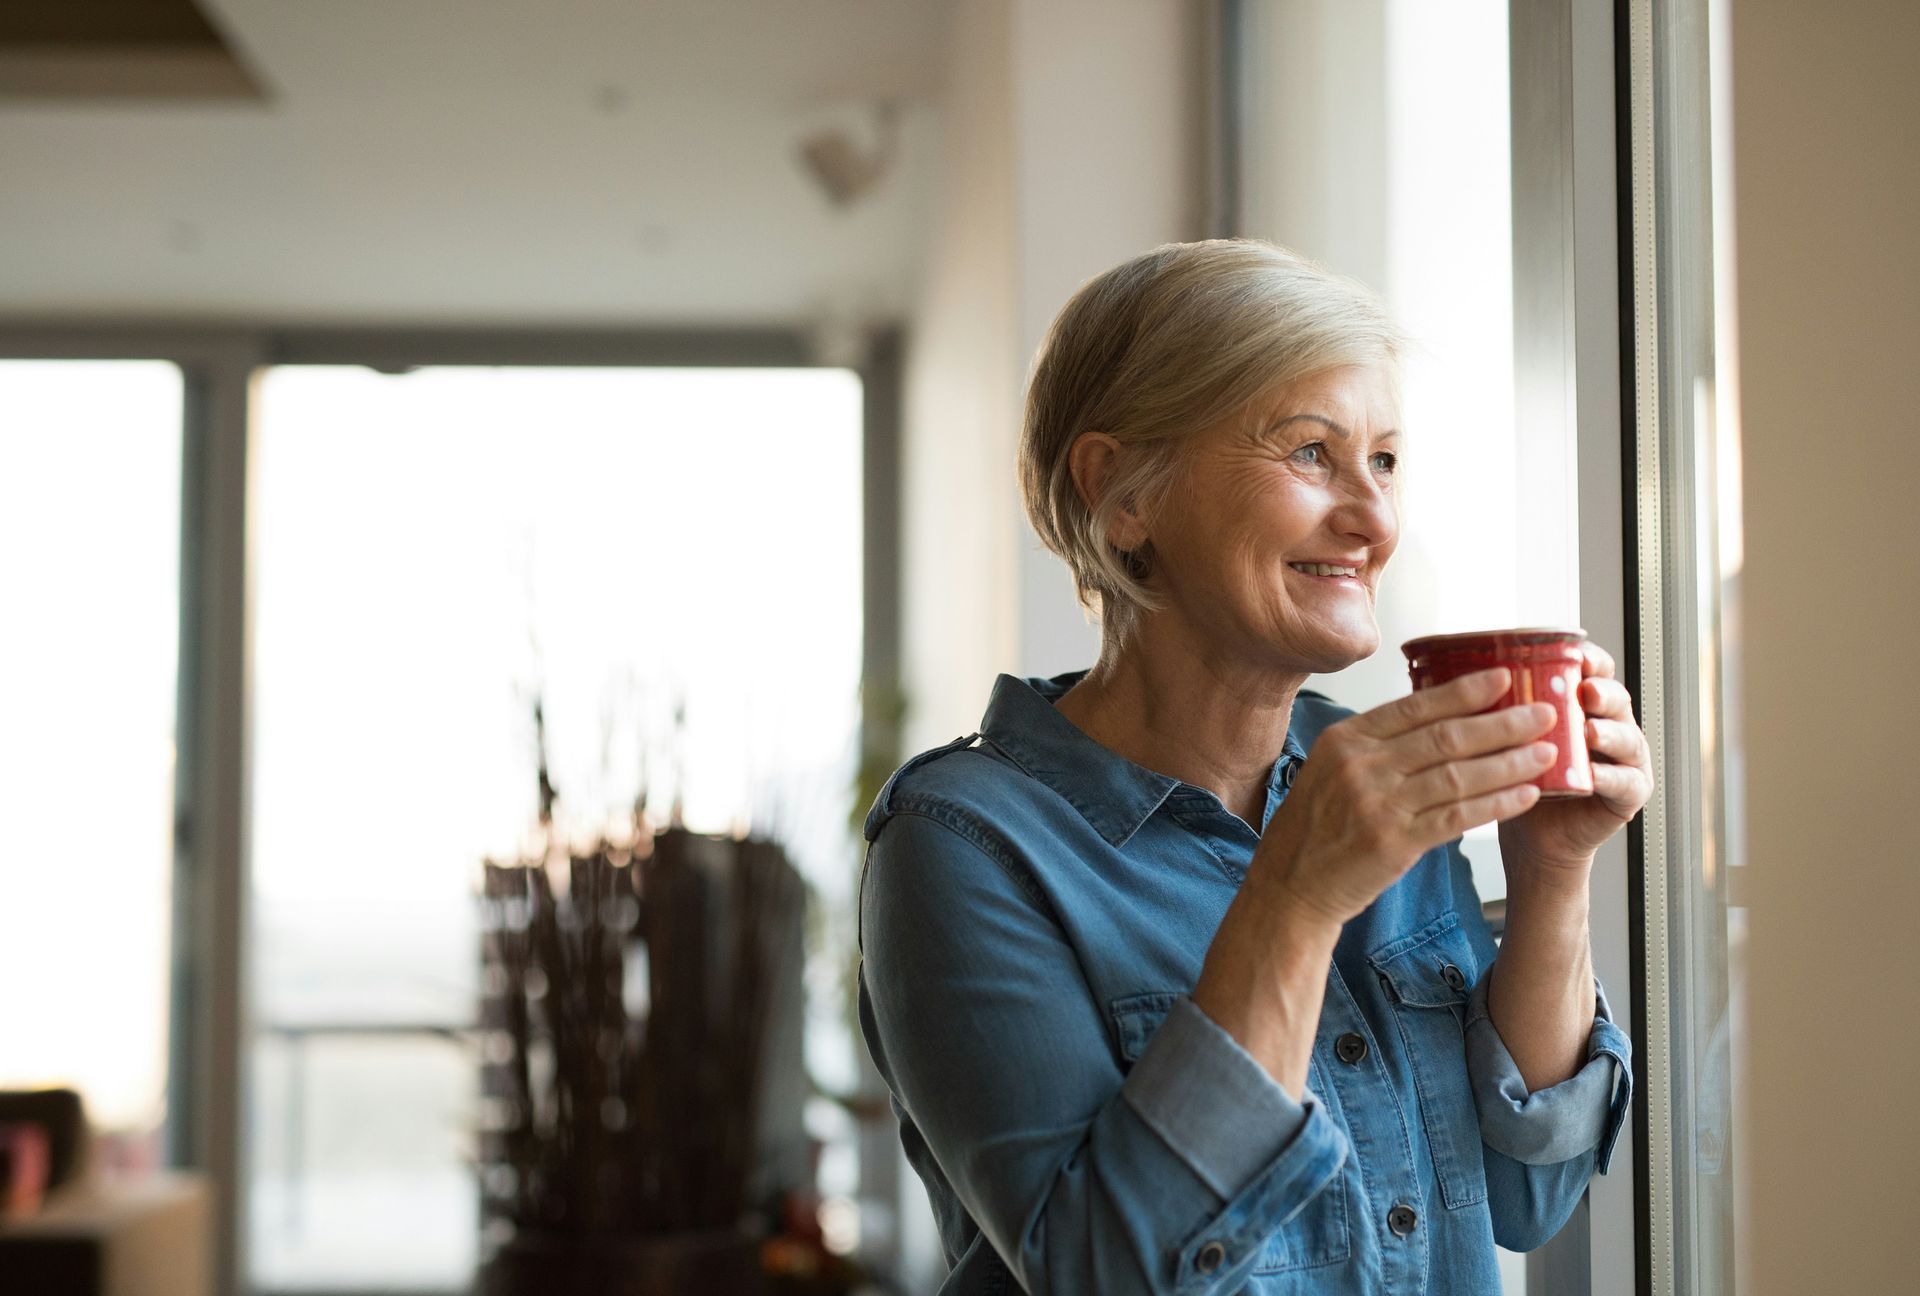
[1318,1234]
[1427,975]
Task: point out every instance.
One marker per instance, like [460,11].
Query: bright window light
[671,561]
[89,645]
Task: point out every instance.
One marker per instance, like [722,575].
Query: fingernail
[1545,751]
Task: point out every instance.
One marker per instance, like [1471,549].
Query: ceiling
[487,161]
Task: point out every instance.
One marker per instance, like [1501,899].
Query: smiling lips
[1328,571]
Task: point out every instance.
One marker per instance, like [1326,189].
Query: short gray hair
[1155,349]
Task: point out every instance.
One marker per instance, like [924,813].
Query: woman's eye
[1309,453]
[1386,461]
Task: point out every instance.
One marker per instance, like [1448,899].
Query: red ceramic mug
[1546,666]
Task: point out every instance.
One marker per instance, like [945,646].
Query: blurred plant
[604,1124]
[883,716]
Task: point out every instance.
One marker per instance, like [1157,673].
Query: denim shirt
[1034,913]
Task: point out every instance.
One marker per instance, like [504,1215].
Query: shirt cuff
[1210,1101]
[1262,1153]
[1581,1113]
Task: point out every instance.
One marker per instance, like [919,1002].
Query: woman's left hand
[1564,833]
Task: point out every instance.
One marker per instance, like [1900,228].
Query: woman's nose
[1368,511]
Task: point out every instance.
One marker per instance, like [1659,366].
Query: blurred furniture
[146,1237]
[58,1112]
[96,1236]
[23,1167]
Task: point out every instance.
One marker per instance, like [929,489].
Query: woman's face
[1265,506]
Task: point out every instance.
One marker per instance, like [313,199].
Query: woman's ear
[1094,459]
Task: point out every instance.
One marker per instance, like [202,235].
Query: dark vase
[719,1263]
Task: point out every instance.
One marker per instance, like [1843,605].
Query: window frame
[1572,330]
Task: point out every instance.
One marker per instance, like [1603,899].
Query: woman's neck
[1164,702]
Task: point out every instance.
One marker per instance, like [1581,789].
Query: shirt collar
[1112,793]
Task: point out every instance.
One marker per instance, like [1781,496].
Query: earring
[1139,561]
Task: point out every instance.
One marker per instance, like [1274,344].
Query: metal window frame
[1663,76]
[1598,70]
[1569,330]
[207,1078]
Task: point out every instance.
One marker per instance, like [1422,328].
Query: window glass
[670,561]
[90,605]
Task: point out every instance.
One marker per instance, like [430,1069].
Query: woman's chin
[1334,651]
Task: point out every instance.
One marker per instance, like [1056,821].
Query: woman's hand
[1386,786]
[1562,835]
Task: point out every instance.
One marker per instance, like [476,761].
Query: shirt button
[1211,1257]
[1350,1048]
[1402,1220]
[1453,977]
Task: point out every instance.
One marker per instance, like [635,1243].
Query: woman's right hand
[1384,787]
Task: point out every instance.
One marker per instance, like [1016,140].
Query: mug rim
[1495,638]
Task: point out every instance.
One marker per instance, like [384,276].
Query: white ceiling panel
[487,161]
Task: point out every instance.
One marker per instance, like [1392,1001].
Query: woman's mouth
[1327,571]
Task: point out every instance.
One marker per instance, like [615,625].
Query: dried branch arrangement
[626,1015]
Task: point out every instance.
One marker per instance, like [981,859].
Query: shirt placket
[1381,1136]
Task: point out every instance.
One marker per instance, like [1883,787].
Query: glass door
[667,563]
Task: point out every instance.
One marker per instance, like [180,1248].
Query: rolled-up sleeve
[1166,1177]
[1238,1130]
[1581,1114]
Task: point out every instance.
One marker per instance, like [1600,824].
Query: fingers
[1625,789]
[1597,661]
[1617,740]
[1457,697]
[1465,780]
[1444,823]
[1606,697]
[1452,740]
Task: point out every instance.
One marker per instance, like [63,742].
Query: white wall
[958,507]
[1827,179]
[1317,131]
[1071,143]
[1109,156]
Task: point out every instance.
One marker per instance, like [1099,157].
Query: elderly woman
[1175,969]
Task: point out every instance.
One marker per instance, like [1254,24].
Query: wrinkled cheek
[1252,562]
